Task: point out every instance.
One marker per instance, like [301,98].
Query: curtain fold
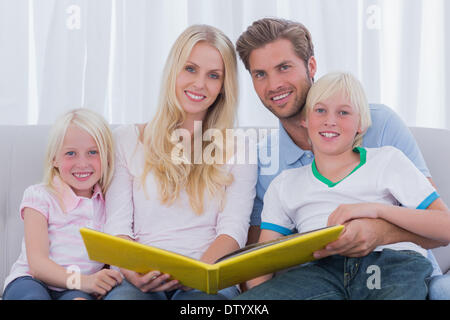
[108,55]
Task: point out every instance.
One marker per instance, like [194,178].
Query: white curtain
[108,55]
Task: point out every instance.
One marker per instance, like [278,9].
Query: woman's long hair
[172,177]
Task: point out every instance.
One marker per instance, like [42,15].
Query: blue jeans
[127,291]
[27,288]
[440,287]
[384,275]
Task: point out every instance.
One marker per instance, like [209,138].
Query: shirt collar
[68,198]
[291,152]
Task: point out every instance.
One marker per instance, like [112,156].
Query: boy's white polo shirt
[302,198]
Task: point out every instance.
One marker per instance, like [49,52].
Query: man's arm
[255,217]
[253,234]
[362,236]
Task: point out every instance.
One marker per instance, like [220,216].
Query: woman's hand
[101,282]
[153,281]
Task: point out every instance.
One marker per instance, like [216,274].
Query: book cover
[239,266]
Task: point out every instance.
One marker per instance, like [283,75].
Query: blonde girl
[53,263]
[173,198]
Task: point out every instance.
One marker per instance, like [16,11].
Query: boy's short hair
[96,126]
[351,87]
[268,30]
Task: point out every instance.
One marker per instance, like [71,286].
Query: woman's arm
[223,245]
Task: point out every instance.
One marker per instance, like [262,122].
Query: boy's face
[280,78]
[332,125]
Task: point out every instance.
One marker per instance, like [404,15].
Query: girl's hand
[101,282]
[346,212]
[153,281]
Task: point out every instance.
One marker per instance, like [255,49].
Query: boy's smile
[332,125]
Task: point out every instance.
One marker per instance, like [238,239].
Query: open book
[239,266]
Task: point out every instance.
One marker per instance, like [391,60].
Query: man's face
[280,78]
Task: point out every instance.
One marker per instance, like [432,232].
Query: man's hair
[268,30]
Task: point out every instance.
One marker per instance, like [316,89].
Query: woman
[167,194]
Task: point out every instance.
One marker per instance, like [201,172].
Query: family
[341,161]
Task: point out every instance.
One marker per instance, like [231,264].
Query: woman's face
[200,80]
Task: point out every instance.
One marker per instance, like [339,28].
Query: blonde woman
[167,194]
[78,170]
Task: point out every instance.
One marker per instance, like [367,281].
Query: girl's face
[332,125]
[78,161]
[200,80]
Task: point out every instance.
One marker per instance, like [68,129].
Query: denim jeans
[439,288]
[381,275]
[27,288]
[127,291]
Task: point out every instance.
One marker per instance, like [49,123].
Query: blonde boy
[344,182]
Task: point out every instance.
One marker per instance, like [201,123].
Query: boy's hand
[346,212]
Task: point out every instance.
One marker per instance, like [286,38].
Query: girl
[346,182]
[183,201]
[53,263]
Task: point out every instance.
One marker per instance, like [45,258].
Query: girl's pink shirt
[66,247]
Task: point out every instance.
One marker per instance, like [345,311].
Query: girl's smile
[78,161]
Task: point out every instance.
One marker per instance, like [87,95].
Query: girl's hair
[195,178]
[347,84]
[97,127]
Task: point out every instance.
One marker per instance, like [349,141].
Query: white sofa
[21,158]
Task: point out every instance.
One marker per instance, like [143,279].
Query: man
[279,55]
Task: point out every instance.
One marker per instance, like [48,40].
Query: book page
[257,246]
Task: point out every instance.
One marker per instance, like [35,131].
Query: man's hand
[359,238]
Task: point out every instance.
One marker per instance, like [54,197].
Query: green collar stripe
[362,160]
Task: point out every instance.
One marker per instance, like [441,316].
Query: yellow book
[242,265]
